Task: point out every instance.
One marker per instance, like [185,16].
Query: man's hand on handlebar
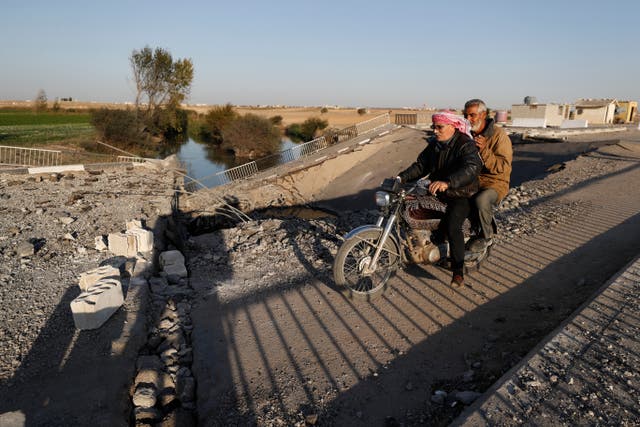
[438,187]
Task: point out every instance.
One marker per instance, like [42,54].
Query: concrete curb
[66,168]
[498,398]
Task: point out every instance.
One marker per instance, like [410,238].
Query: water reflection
[203,160]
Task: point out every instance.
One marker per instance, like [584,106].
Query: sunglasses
[439,127]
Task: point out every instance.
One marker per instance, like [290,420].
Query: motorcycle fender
[374,228]
[362,228]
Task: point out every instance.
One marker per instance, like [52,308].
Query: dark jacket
[457,162]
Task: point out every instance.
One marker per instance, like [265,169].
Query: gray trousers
[485,200]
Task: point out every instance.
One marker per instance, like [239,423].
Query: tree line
[162,83]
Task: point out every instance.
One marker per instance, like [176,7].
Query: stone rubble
[271,251]
[48,229]
[42,254]
[164,387]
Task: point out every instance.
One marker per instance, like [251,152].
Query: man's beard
[477,126]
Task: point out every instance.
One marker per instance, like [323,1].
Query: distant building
[626,112]
[549,114]
[596,111]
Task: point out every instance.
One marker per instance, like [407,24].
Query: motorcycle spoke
[355,261]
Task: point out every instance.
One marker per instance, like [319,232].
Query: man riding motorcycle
[452,164]
[496,152]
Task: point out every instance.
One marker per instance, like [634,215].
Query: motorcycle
[403,234]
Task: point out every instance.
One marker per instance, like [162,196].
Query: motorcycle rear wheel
[354,255]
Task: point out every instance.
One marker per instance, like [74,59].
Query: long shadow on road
[299,350]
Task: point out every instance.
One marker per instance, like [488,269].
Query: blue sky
[352,53]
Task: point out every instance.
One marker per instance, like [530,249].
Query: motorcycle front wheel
[355,254]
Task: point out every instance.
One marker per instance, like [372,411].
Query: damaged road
[275,343]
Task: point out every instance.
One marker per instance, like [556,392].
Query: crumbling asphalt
[48,370]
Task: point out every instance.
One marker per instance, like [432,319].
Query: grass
[41,135]
[26,117]
[24,128]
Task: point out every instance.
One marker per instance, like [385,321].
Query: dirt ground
[275,343]
[296,351]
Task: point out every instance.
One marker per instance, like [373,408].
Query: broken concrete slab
[91,277]
[144,239]
[94,306]
[119,244]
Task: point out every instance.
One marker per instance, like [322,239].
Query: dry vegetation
[337,117]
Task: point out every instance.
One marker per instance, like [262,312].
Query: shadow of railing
[300,348]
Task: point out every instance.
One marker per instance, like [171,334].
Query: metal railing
[19,156]
[406,119]
[131,159]
[372,124]
[412,119]
[303,150]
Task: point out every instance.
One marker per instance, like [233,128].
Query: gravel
[48,229]
[50,225]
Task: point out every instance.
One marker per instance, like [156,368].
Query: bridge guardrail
[20,156]
[306,149]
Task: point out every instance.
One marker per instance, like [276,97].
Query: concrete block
[170,258]
[91,277]
[123,244]
[570,124]
[172,263]
[53,169]
[118,244]
[529,123]
[94,306]
[144,239]
[133,224]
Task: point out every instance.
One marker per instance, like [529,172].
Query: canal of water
[203,160]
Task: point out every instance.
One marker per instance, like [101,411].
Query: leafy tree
[159,79]
[162,83]
[306,131]
[324,110]
[117,127]
[276,120]
[251,136]
[215,121]
[41,101]
[312,125]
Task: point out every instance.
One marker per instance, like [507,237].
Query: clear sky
[353,53]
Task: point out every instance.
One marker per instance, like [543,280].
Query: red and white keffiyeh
[449,118]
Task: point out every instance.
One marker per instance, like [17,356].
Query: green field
[26,117]
[25,128]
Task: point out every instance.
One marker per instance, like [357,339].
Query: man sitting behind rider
[495,149]
[452,163]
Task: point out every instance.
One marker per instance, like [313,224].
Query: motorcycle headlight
[382,198]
